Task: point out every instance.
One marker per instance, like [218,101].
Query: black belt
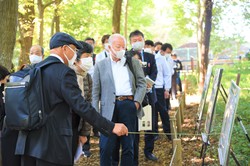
[121,98]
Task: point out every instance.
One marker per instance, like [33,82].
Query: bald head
[117,46]
[36,54]
[36,50]
[113,38]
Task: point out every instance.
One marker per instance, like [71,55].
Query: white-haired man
[120,94]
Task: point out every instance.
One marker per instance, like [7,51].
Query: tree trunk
[117,9]
[26,29]
[55,25]
[41,7]
[203,34]
[126,20]
[40,22]
[8,20]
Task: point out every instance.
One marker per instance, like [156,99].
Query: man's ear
[64,47]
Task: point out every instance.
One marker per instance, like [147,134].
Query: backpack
[128,56]
[24,100]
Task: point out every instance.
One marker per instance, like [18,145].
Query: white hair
[116,35]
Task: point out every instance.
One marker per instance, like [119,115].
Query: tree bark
[126,20]
[203,34]
[116,20]
[8,28]
[26,28]
[41,8]
[55,25]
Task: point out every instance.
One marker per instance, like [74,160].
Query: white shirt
[58,57]
[102,55]
[164,74]
[170,61]
[123,86]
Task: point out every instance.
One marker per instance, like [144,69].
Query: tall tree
[203,34]
[41,7]
[26,25]
[126,19]
[8,20]
[55,26]
[116,19]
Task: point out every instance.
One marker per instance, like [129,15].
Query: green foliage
[228,30]
[94,18]
[185,13]
[248,56]
[191,83]
[139,17]
[225,45]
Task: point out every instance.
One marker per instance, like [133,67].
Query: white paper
[78,152]
[146,122]
[150,81]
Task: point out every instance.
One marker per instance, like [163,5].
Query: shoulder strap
[46,63]
[129,63]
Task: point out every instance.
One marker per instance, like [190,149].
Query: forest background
[217,27]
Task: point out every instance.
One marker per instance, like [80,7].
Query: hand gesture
[120,129]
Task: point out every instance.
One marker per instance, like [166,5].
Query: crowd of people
[101,92]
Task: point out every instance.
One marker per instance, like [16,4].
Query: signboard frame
[210,112]
[203,97]
[228,123]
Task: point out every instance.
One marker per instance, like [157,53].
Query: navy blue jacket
[150,69]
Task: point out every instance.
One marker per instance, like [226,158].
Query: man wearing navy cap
[55,143]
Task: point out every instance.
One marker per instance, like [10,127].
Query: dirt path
[163,147]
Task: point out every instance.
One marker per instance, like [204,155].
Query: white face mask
[148,50]
[137,46]
[35,58]
[167,55]
[87,63]
[119,54]
[106,46]
[72,60]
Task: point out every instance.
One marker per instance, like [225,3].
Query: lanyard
[142,55]
[105,54]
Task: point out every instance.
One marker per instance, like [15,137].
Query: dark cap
[61,39]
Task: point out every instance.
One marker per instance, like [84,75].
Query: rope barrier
[183,134]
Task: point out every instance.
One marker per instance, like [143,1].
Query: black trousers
[32,161]
[8,146]
[160,107]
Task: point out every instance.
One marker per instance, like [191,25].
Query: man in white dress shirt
[162,86]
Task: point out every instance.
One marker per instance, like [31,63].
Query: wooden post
[178,119]
[238,79]
[184,96]
[192,64]
[181,106]
[177,155]
[173,127]
[184,86]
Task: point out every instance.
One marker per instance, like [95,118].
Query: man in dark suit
[150,70]
[55,143]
